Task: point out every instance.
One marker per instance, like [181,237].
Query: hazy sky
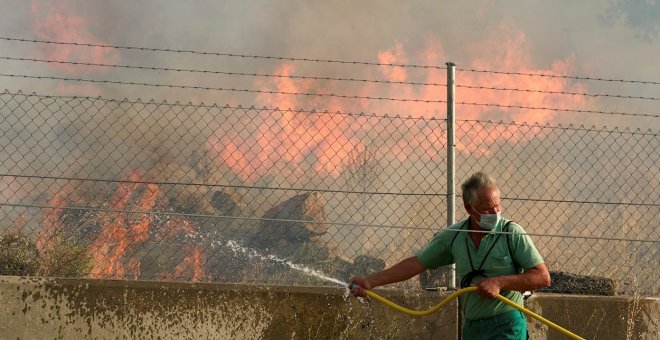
[603,39]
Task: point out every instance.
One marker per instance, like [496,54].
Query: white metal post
[451,172]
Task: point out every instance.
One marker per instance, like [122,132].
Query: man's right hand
[360,286]
[397,273]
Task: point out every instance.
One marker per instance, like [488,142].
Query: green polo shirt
[441,251]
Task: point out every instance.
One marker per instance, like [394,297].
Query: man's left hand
[489,287]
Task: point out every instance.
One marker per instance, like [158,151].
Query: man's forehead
[488,191]
[488,195]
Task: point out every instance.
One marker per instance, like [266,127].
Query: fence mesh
[103,188]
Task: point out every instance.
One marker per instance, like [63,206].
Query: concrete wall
[596,317]
[40,308]
[37,308]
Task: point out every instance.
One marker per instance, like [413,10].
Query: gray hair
[477,181]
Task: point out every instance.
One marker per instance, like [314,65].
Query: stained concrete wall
[596,317]
[40,308]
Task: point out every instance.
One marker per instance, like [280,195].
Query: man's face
[487,201]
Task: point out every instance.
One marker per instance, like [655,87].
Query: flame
[139,231]
[118,231]
[192,265]
[58,21]
[122,234]
[298,138]
[285,135]
[109,247]
[395,55]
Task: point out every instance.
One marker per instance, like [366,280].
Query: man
[497,263]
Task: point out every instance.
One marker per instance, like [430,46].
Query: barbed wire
[215,106]
[558,109]
[637,131]
[322,95]
[556,92]
[194,87]
[153,68]
[154,49]
[366,225]
[560,76]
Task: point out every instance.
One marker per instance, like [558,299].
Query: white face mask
[488,221]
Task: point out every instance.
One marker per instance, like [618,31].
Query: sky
[600,39]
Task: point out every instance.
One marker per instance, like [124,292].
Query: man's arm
[533,278]
[399,272]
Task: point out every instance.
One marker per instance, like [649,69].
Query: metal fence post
[451,172]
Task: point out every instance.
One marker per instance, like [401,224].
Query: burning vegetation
[142,229]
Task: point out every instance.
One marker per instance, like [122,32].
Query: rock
[293,222]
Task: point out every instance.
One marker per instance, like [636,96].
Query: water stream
[237,247]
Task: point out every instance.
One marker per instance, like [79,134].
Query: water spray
[237,247]
[455,294]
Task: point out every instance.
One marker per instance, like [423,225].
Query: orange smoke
[58,21]
[395,55]
[296,138]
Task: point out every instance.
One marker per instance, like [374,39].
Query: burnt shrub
[18,255]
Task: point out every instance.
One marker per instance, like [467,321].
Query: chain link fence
[119,189]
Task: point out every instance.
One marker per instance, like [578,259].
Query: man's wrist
[499,281]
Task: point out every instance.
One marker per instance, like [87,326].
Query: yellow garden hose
[466,290]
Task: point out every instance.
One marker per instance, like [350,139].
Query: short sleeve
[438,252]
[523,248]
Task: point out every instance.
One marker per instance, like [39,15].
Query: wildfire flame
[192,265]
[58,21]
[298,138]
[121,234]
[109,247]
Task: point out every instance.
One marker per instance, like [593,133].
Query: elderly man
[490,252]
